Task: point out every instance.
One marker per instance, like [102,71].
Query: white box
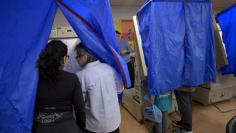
[223,89]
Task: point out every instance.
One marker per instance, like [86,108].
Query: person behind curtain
[184,101]
[59,92]
[125,51]
[164,103]
[100,87]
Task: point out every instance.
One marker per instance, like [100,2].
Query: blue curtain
[227,22]
[93,23]
[178,43]
[26,26]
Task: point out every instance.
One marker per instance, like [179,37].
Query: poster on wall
[126,28]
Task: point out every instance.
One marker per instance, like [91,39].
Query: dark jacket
[60,96]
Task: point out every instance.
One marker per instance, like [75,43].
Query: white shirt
[98,82]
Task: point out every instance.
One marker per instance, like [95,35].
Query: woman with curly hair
[59,93]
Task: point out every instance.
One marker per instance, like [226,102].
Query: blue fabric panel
[200,58]
[178,43]
[163,44]
[93,24]
[25,28]
[144,29]
[227,22]
[98,14]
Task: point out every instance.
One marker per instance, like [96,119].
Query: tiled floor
[206,119]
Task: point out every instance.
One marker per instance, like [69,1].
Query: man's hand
[123,52]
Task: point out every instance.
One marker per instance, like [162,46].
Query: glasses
[78,56]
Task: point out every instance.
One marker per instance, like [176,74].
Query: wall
[60,20]
[119,12]
[124,12]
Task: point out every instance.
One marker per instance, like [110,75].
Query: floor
[206,119]
[129,124]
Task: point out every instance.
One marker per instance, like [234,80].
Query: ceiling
[126,2]
[222,4]
[217,4]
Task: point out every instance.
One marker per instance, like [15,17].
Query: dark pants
[184,101]
[116,131]
[162,127]
[131,73]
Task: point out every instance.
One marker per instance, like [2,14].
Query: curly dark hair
[50,59]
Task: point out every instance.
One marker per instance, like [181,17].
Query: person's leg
[164,122]
[131,73]
[163,126]
[157,128]
[184,102]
